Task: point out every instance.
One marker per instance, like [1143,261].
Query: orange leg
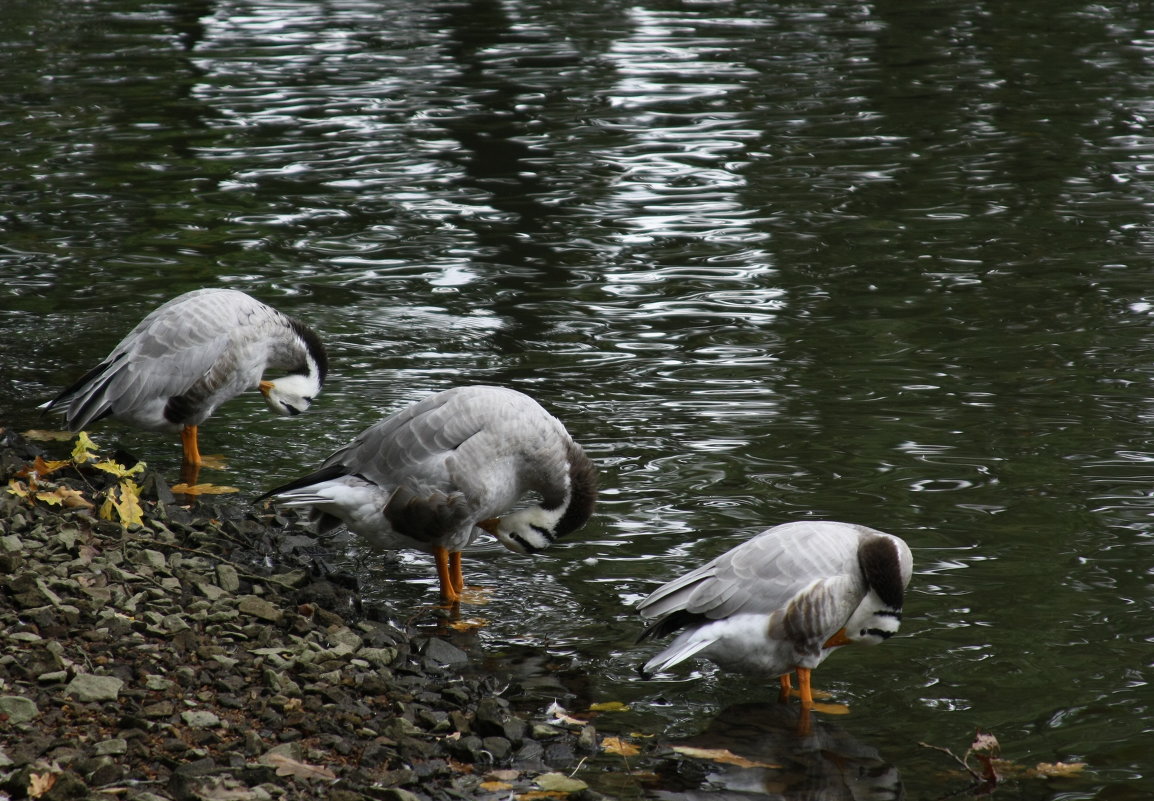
[803,688]
[191,451]
[455,571]
[449,593]
[786,687]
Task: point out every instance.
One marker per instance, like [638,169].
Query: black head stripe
[882,570]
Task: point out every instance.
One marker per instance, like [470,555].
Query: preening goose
[784,600]
[429,476]
[188,357]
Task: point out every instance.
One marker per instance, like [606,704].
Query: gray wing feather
[765,573]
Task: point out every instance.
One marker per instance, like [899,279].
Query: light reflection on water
[765,261]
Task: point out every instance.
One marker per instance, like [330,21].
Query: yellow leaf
[471,624]
[119,470]
[43,435]
[721,755]
[50,498]
[82,451]
[40,783]
[18,488]
[123,503]
[560,783]
[202,489]
[609,706]
[615,745]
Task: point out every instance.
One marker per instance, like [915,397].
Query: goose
[783,601]
[190,355]
[435,473]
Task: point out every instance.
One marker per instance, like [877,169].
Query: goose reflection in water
[827,763]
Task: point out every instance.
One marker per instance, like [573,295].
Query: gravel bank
[200,654]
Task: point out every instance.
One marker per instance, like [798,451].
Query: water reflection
[759,752]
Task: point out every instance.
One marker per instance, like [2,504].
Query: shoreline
[199,652]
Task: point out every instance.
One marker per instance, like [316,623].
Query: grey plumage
[192,354]
[429,475]
[783,600]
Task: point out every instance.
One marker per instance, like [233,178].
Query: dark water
[888,263]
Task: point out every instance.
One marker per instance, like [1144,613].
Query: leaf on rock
[83,450]
[561,715]
[63,496]
[202,489]
[18,488]
[287,766]
[40,783]
[44,435]
[559,783]
[616,745]
[495,786]
[43,467]
[723,756]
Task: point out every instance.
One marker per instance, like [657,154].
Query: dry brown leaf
[43,467]
[615,745]
[40,783]
[561,715]
[723,756]
[202,489]
[286,766]
[1054,770]
[63,496]
[44,435]
[471,624]
[533,795]
[494,787]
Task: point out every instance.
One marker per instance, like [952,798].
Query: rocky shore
[196,651]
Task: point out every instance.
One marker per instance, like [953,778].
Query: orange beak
[264,387]
[489,525]
[838,639]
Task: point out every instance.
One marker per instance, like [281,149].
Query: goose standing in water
[429,476]
[191,355]
[783,601]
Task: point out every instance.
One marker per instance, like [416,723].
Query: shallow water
[885,263]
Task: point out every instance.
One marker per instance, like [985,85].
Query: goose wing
[806,564]
[193,345]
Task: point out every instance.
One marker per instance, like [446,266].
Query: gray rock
[18,708]
[444,653]
[89,687]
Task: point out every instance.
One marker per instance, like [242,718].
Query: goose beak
[838,639]
[489,525]
[265,387]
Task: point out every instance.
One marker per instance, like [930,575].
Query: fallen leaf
[471,624]
[609,706]
[985,743]
[493,787]
[1053,770]
[42,467]
[559,783]
[123,504]
[503,775]
[119,470]
[723,756]
[202,489]
[560,715]
[44,435]
[82,451]
[286,766]
[615,745]
[40,783]
[534,795]
[18,488]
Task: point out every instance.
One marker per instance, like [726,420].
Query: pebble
[171,660]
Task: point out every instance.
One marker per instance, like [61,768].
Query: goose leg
[804,689]
[449,593]
[455,572]
[191,451]
[786,688]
